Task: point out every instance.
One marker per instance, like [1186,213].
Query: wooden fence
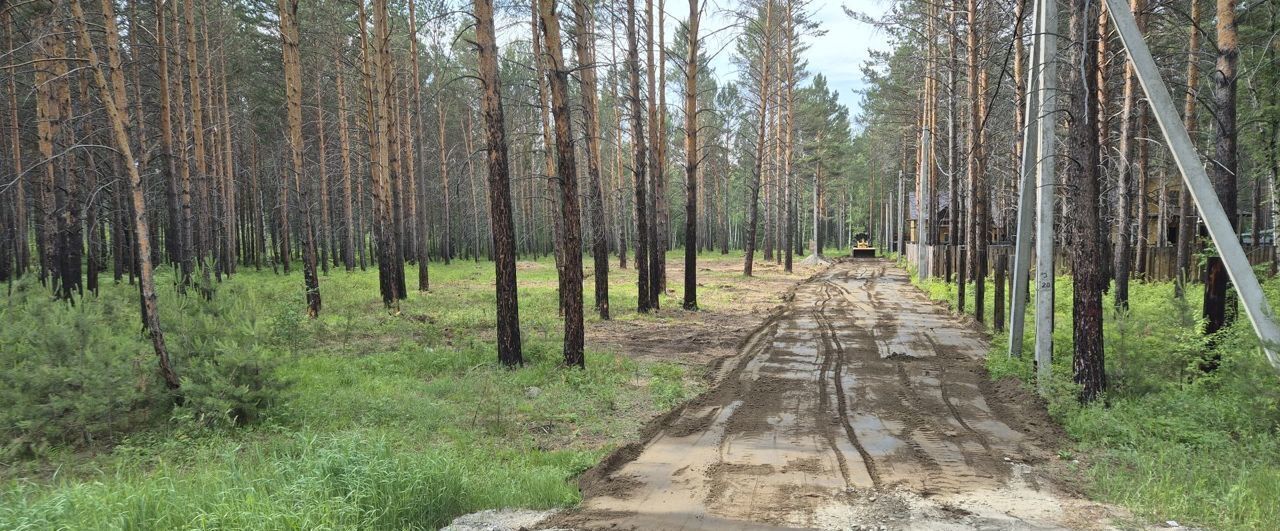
[1161,262]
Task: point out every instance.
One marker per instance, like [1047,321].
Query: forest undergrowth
[1170,440]
[357,420]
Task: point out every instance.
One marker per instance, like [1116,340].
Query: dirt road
[862,404]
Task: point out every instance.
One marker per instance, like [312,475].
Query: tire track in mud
[946,397]
[833,347]
[824,403]
[760,451]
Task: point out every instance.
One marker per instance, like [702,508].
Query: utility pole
[901,248]
[922,207]
[1046,183]
[1038,154]
[1026,195]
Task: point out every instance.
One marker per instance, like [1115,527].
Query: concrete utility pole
[922,208]
[1022,243]
[1197,181]
[901,216]
[1046,181]
[1038,151]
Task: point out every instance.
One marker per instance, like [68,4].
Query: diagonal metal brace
[1197,181]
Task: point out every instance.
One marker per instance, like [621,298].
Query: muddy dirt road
[862,404]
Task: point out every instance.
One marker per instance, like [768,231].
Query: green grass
[1169,441]
[389,422]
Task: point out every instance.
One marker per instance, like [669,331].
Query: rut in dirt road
[861,404]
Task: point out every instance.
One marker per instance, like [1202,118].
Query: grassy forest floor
[359,419]
[1170,441]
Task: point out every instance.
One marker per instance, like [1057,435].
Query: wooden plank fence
[1161,262]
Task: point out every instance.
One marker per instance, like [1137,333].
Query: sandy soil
[729,311]
[857,404]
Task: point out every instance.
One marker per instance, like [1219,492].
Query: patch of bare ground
[731,306]
[857,405]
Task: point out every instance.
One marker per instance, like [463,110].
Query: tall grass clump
[1170,440]
[345,481]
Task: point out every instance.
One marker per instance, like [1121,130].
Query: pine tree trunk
[201,183]
[150,312]
[1223,170]
[1186,215]
[954,234]
[377,70]
[548,157]
[422,245]
[293,100]
[229,176]
[567,176]
[1124,248]
[657,247]
[639,164]
[585,37]
[344,139]
[691,163]
[504,245]
[181,154]
[446,232]
[658,168]
[764,93]
[1083,168]
[1143,190]
[788,143]
[322,162]
[60,262]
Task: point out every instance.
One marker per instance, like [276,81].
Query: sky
[838,54]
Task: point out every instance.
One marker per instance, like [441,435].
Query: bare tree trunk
[395,171]
[764,93]
[293,100]
[1217,283]
[657,171]
[1124,205]
[661,213]
[1083,170]
[585,37]
[21,246]
[176,247]
[1186,215]
[621,215]
[644,303]
[201,177]
[973,230]
[1143,190]
[344,139]
[322,161]
[504,248]
[187,234]
[378,85]
[422,240]
[53,102]
[446,234]
[954,235]
[146,285]
[691,163]
[567,175]
[789,138]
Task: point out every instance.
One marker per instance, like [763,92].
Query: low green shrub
[76,375]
